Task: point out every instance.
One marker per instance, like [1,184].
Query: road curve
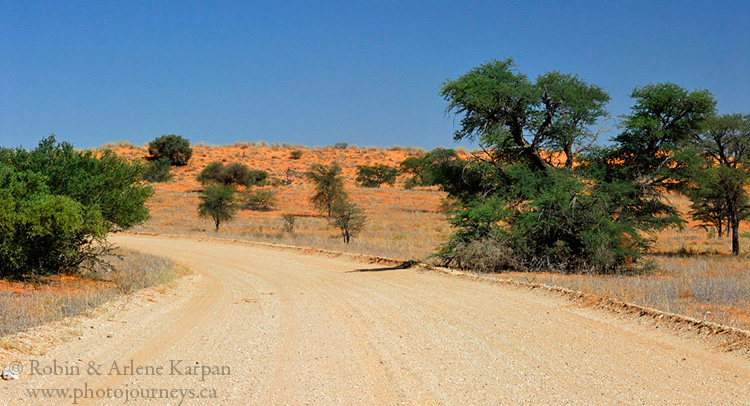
[274,327]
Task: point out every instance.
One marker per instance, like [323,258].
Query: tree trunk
[217,225]
[735,234]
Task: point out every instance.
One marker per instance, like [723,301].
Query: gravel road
[264,326]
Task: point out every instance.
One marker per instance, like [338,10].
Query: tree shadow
[403,265]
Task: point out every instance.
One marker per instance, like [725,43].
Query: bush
[158,171]
[374,176]
[349,218]
[173,147]
[557,222]
[296,154]
[438,167]
[261,200]
[234,173]
[57,206]
[289,221]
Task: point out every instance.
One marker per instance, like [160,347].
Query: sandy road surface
[290,329]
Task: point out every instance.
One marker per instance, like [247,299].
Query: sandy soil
[262,326]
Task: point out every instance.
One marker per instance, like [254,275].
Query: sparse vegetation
[262,200]
[408,224]
[135,271]
[289,222]
[56,297]
[296,154]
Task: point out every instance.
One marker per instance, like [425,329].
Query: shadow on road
[403,265]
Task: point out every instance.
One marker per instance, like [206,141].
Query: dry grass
[135,271]
[31,307]
[25,305]
[408,225]
[715,288]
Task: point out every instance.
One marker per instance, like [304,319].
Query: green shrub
[438,167]
[158,170]
[57,205]
[234,173]
[173,147]
[374,176]
[261,200]
[296,154]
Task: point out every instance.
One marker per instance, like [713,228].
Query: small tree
[289,222]
[719,185]
[376,175]
[329,187]
[173,147]
[218,202]
[349,218]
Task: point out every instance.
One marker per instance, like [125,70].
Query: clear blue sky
[316,73]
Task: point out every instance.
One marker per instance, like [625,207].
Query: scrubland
[691,270]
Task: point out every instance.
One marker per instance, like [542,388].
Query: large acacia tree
[522,197]
[522,208]
[517,118]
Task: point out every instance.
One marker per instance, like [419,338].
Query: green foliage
[218,202]
[374,176]
[503,109]
[664,119]
[519,209]
[106,181]
[261,200]
[717,191]
[349,218]
[158,170]
[329,187]
[173,147]
[57,206]
[438,167]
[553,222]
[296,154]
[232,174]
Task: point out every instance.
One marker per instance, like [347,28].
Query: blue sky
[316,73]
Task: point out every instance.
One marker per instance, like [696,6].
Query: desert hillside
[402,223]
